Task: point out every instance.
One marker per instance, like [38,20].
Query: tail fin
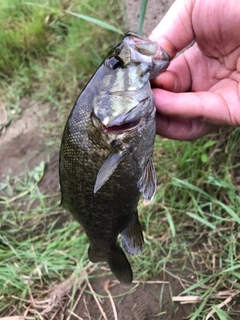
[120,265]
[117,261]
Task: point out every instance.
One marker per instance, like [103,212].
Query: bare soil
[156,9]
[22,145]
[135,302]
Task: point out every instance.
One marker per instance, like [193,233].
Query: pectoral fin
[147,183]
[115,157]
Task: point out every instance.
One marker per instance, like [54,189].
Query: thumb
[171,33]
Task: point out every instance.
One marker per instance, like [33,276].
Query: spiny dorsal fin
[110,164]
[148,181]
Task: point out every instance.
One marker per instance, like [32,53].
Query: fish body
[106,152]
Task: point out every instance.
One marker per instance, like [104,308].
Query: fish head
[125,94]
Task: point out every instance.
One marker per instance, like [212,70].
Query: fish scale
[106,152]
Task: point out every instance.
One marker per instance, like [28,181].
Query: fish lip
[162,57]
[161,54]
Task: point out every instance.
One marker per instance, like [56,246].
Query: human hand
[200,90]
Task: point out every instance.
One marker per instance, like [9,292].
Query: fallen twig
[97,301]
[106,285]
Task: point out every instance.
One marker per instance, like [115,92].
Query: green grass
[33,250]
[143,9]
[49,54]
[192,228]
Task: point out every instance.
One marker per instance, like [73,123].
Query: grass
[44,49]
[192,228]
[197,226]
[143,9]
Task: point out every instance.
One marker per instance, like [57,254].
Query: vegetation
[192,228]
[49,54]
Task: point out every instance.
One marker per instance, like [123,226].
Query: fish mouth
[117,129]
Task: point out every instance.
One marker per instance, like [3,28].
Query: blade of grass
[98,22]
[229,211]
[198,311]
[171,223]
[197,284]
[221,314]
[203,221]
[142,15]
[231,269]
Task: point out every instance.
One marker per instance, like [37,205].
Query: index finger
[175,31]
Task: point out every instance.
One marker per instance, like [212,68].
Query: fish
[105,160]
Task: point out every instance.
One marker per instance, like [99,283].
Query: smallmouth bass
[106,151]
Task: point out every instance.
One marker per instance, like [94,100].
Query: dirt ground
[22,147]
[135,302]
[156,9]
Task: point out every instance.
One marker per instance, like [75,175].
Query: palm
[216,75]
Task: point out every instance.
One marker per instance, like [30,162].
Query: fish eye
[113,63]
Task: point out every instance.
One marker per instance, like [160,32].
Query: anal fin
[132,237]
[148,181]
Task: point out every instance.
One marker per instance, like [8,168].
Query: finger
[175,30]
[190,71]
[182,129]
[208,106]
